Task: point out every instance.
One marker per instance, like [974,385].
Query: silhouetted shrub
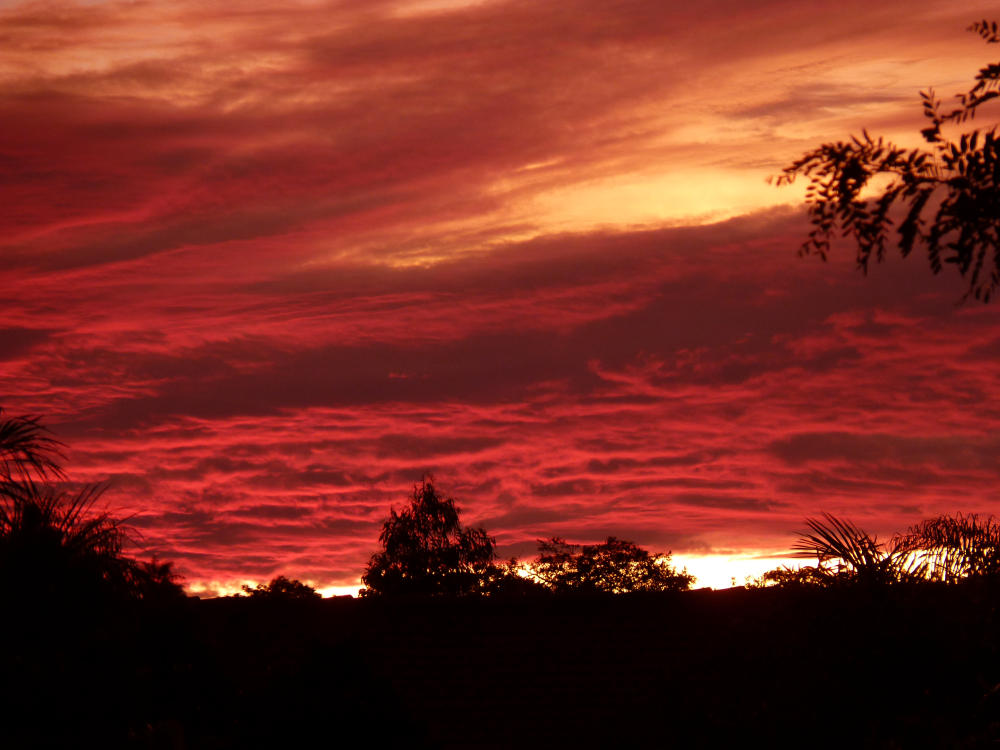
[282,589]
[614,567]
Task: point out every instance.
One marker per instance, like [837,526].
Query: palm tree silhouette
[847,554]
[957,547]
[28,453]
[54,543]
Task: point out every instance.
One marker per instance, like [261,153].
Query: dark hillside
[896,667]
[899,667]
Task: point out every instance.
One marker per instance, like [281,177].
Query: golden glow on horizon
[711,571]
[726,571]
[211,589]
[330,591]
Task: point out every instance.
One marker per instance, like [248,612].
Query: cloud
[723,403]
[953,452]
[16,342]
[399,134]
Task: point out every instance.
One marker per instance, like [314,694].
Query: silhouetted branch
[945,198]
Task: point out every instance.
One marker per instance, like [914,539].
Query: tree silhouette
[614,566]
[427,551]
[945,197]
[54,543]
[512,580]
[156,580]
[282,589]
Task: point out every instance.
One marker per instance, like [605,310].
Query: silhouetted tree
[614,566]
[282,589]
[555,565]
[53,542]
[156,580]
[510,579]
[953,183]
[426,550]
[846,554]
[956,547]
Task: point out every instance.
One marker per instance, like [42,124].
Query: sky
[267,264]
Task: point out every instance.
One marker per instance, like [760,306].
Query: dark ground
[887,668]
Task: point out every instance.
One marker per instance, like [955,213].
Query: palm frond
[28,452]
[845,552]
[837,539]
[956,547]
[57,538]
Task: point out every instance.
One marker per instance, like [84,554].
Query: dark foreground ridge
[883,667]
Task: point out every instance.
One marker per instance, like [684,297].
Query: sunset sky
[265,264]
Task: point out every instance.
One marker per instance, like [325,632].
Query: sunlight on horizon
[726,571]
[710,571]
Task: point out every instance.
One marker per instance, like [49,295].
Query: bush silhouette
[945,197]
[282,589]
[614,566]
[788,577]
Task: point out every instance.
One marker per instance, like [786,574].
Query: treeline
[55,544]
[453,647]
[427,551]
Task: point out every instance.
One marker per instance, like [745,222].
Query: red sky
[265,264]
